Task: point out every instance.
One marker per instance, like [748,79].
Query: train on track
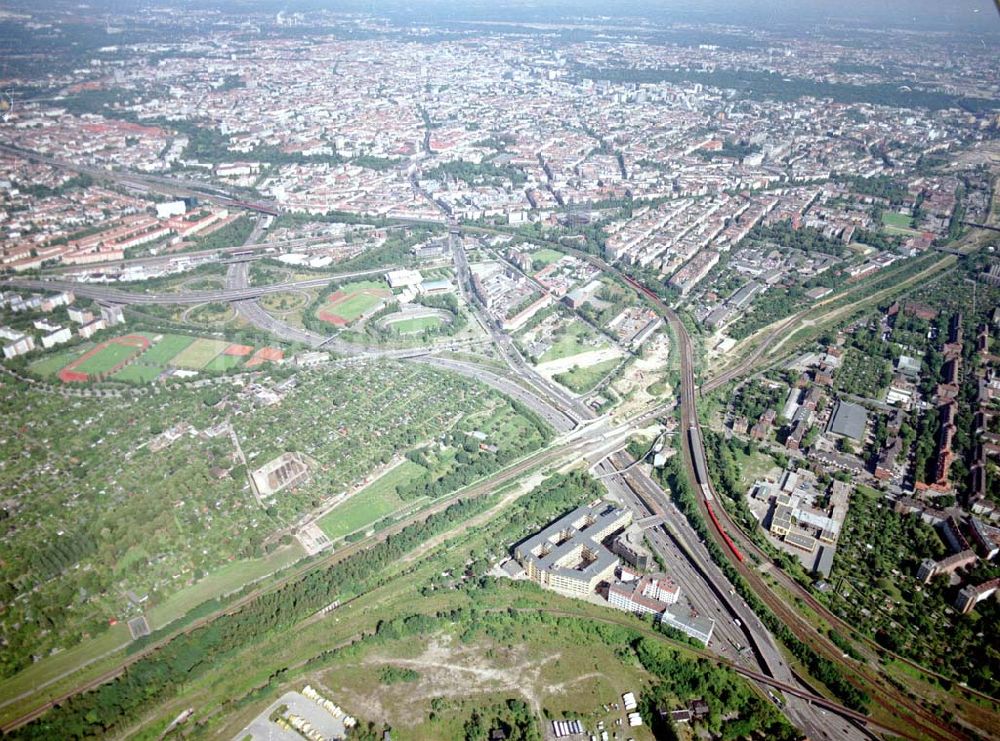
[640,287]
[697,451]
[701,473]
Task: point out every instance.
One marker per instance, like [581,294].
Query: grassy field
[64,661]
[212,314]
[223,362]
[356,305]
[352,300]
[163,351]
[199,353]
[372,503]
[284,301]
[107,358]
[581,380]
[900,231]
[138,372]
[221,582]
[460,676]
[544,256]
[49,365]
[571,342]
[417,324]
[891,218]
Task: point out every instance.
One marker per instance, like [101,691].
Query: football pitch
[166,348]
[352,301]
[106,358]
[371,504]
[199,353]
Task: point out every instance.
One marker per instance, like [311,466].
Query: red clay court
[265,355]
[97,366]
[238,350]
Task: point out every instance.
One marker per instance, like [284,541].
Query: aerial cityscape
[500,371]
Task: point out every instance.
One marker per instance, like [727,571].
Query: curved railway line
[895,703]
[908,717]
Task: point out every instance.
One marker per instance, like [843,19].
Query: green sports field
[138,372]
[898,224]
[223,362]
[417,324]
[371,504]
[199,353]
[354,300]
[355,306]
[49,365]
[169,345]
[545,256]
[901,221]
[107,358]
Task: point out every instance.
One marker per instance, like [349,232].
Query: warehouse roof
[849,420]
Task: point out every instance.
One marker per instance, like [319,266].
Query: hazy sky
[945,15]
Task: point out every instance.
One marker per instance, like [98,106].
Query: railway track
[894,702]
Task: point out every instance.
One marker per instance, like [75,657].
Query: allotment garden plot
[116,510]
[388,439]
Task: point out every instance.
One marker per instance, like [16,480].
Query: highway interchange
[739,637]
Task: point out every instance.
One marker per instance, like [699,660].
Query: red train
[264,208]
[725,537]
[700,469]
[639,287]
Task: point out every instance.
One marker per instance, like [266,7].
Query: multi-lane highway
[105,293]
[707,589]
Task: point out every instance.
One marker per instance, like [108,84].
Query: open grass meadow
[417,324]
[199,353]
[582,380]
[221,582]
[164,349]
[371,504]
[571,342]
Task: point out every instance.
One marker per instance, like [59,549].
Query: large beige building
[569,555]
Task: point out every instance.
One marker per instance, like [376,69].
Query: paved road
[105,293]
[706,587]
[710,592]
[548,389]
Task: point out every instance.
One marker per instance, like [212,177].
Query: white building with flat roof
[404,278]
